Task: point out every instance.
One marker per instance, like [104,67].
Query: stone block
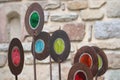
[75,32]
[3,60]
[63,17]
[113,8]
[52,4]
[95,4]
[77,5]
[4,47]
[112,75]
[88,15]
[46,16]
[112,44]
[107,29]
[114,61]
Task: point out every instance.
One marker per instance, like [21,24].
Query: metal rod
[96,76]
[59,70]
[16,78]
[34,61]
[35,69]
[50,69]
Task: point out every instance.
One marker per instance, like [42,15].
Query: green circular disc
[34,19]
[100,62]
[59,46]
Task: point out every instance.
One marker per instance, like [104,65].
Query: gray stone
[96,3]
[77,5]
[66,17]
[51,5]
[107,29]
[26,46]
[112,75]
[113,8]
[4,47]
[91,15]
[113,61]
[3,60]
[46,17]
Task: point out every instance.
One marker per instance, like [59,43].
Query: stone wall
[87,22]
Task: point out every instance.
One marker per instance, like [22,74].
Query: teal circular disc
[39,46]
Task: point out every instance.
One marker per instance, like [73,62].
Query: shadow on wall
[13,25]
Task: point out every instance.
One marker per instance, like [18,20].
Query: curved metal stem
[50,69]
[34,61]
[59,70]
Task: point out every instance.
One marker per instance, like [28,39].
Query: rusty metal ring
[37,18]
[59,38]
[83,71]
[16,70]
[104,65]
[41,45]
[91,57]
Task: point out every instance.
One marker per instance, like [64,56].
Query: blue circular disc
[39,46]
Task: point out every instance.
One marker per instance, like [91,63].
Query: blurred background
[87,22]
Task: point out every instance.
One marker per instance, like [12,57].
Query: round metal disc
[15,56]
[87,56]
[103,63]
[41,45]
[80,72]
[59,46]
[34,19]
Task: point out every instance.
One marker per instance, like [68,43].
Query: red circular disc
[86,59]
[80,72]
[80,75]
[15,56]
[87,56]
